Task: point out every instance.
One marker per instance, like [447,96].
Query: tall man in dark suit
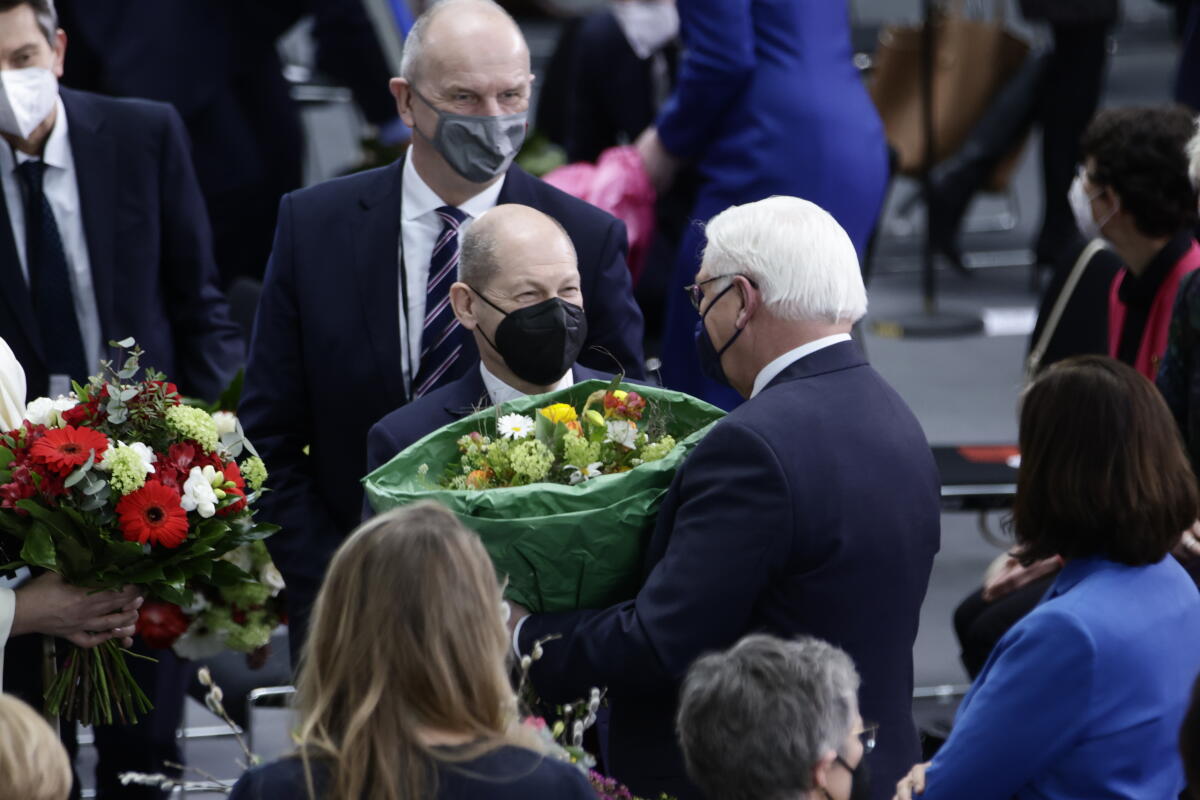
[355,316]
[103,235]
[811,509]
[518,270]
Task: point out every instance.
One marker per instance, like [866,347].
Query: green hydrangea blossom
[580,452]
[128,470]
[530,461]
[656,450]
[245,595]
[254,472]
[248,637]
[195,424]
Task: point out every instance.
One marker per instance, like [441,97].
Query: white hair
[802,260]
[414,42]
[1193,154]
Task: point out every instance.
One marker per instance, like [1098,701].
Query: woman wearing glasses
[1085,696]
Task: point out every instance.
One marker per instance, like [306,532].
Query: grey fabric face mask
[477,147]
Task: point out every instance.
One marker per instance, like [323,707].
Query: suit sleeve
[725,534]
[208,344]
[1040,683]
[381,446]
[277,415]
[615,325]
[717,65]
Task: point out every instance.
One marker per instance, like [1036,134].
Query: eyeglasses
[867,736]
[696,294]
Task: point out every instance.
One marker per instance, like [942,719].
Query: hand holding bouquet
[120,484]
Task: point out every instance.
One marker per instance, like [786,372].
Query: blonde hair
[407,635]
[33,762]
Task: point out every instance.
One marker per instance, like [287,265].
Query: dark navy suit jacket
[149,246]
[811,509]
[325,355]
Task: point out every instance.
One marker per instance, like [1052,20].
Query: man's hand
[912,784]
[48,605]
[1012,576]
[517,612]
[660,165]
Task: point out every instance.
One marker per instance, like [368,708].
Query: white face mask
[647,24]
[27,96]
[1081,207]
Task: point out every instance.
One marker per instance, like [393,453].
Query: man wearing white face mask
[104,233]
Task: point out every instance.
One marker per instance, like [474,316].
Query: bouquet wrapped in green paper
[563,488]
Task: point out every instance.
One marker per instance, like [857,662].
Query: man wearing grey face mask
[355,318]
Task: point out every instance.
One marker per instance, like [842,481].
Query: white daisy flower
[515,426]
[622,432]
[578,475]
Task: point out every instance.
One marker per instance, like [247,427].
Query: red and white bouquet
[122,483]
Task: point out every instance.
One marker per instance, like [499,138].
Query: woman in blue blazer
[767,102]
[403,691]
[1085,696]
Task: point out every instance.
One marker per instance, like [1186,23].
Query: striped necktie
[441,337]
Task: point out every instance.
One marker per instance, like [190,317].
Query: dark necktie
[441,337]
[50,280]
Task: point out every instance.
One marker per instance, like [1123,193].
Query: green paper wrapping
[559,547]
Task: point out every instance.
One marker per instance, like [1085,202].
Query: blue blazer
[811,509]
[325,353]
[149,246]
[1084,697]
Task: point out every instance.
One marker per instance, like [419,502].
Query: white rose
[272,579]
[38,411]
[226,422]
[198,494]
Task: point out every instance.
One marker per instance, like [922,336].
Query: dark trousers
[144,747]
[980,624]
[1073,82]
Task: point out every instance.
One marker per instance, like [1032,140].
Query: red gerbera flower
[160,624]
[63,449]
[153,514]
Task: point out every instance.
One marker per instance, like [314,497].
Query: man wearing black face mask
[812,509]
[355,317]
[518,294]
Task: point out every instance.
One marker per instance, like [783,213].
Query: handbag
[974,58]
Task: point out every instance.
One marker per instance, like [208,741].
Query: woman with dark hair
[1084,697]
[403,690]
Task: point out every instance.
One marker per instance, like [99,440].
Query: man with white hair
[775,718]
[355,317]
[812,509]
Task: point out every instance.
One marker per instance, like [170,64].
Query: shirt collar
[772,370]
[418,199]
[57,152]
[500,392]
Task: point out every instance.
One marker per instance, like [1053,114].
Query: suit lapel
[13,287]
[94,151]
[377,274]
[517,187]
[468,396]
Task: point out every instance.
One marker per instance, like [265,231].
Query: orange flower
[574,425]
[479,479]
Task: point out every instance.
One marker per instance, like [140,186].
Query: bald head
[513,239]
[473,36]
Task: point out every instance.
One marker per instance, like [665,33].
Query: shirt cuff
[516,639]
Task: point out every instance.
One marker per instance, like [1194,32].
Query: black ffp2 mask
[539,343]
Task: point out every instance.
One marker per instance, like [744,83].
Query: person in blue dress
[1086,695]
[403,690]
[767,102]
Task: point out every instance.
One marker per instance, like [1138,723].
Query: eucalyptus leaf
[124,344]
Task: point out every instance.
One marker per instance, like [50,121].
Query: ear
[751,301]
[462,301]
[403,93]
[60,52]
[821,770]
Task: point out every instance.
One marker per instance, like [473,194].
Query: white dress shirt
[419,229]
[500,392]
[61,188]
[12,411]
[771,370]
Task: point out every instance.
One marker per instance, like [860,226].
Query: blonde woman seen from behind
[403,690]
[33,762]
